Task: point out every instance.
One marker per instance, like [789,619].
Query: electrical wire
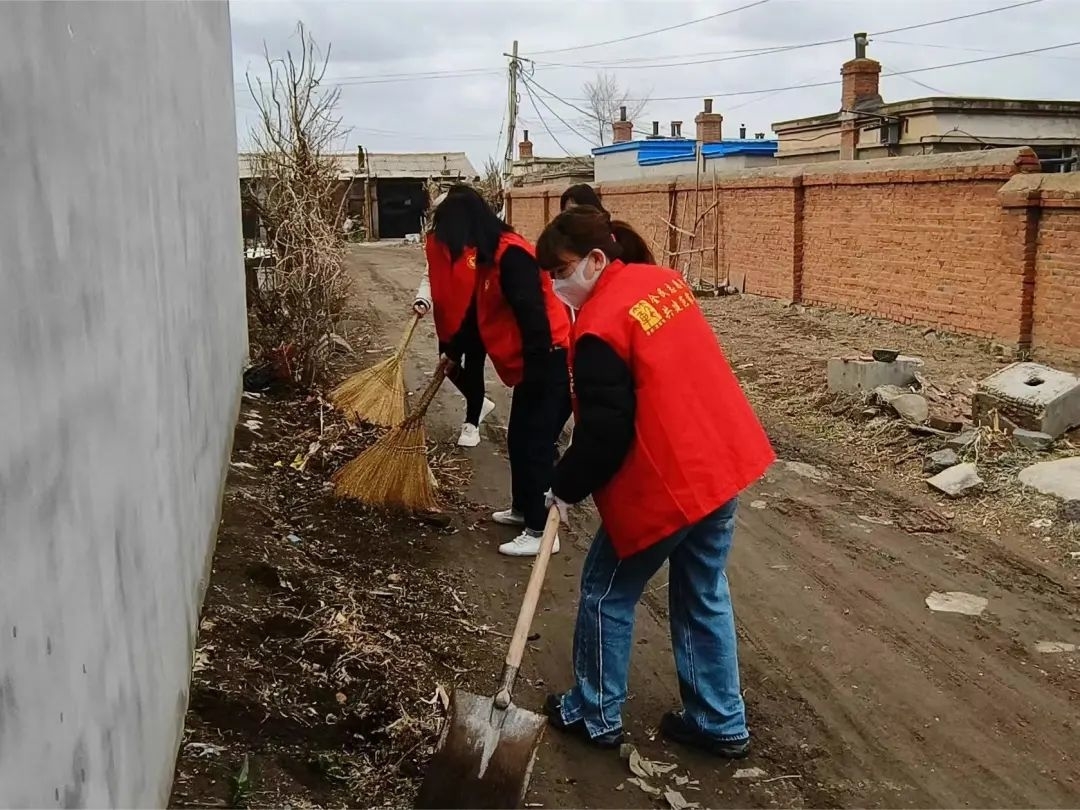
[655,31]
[532,100]
[526,81]
[733,93]
[749,54]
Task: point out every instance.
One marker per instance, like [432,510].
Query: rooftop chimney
[859,90]
[676,129]
[359,159]
[708,124]
[655,129]
[622,130]
[742,132]
[525,147]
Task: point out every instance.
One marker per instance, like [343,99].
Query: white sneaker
[509,517]
[470,436]
[526,545]
[486,409]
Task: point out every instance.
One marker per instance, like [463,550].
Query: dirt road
[858,693]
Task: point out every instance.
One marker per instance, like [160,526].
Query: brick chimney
[622,130]
[860,88]
[708,124]
[525,147]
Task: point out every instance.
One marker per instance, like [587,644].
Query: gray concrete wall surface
[122,341]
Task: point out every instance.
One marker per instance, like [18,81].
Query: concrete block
[1060,478]
[1032,439]
[1030,396]
[859,375]
[958,481]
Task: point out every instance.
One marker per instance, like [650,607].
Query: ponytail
[632,245]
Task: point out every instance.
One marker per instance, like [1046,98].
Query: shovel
[485,754]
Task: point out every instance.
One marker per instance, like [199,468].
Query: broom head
[392,472]
[375,395]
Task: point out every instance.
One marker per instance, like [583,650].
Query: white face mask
[575,289]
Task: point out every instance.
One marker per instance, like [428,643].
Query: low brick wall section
[977,243]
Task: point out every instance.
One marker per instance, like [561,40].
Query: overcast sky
[431,76]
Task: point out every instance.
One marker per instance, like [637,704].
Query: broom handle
[432,389]
[528,610]
[408,336]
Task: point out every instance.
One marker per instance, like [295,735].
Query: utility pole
[512,112]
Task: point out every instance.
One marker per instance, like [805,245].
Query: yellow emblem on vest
[647,317]
[471,262]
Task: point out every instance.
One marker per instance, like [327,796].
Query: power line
[588,139]
[958,48]
[532,100]
[807,85]
[655,31]
[731,56]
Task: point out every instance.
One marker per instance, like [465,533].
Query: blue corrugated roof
[657,151]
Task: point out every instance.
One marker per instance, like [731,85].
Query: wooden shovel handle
[532,591]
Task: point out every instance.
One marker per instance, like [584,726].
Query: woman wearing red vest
[447,290]
[664,441]
[526,333]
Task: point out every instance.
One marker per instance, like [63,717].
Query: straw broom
[377,394]
[394,471]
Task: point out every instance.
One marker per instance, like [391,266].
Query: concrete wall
[622,166]
[122,339]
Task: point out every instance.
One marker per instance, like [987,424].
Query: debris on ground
[957,602]
[676,801]
[337,632]
[1054,647]
[1029,395]
[957,481]
[748,773]
[861,375]
[940,460]
[1060,478]
[1033,439]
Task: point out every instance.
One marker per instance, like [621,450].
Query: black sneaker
[675,727]
[553,710]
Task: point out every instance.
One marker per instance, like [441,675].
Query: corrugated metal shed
[394,165]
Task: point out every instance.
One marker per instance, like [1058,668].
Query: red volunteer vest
[697,442]
[452,286]
[498,326]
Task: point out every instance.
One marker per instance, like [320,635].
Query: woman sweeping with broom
[525,331]
[446,292]
[664,441]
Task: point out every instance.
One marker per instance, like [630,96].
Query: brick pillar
[1020,238]
[622,130]
[709,124]
[525,151]
[860,84]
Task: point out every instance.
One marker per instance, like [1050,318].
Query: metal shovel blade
[484,757]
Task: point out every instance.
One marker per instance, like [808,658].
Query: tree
[604,97]
[491,184]
[298,195]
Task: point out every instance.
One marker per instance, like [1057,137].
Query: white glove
[564,508]
[421,307]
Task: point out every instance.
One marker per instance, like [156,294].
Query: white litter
[1054,647]
[759,504]
[957,602]
[749,773]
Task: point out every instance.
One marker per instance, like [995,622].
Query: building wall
[623,166]
[939,240]
[122,341]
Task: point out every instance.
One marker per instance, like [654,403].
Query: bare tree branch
[604,97]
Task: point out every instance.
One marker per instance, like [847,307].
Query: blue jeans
[702,629]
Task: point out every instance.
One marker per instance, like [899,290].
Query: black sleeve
[519,277]
[604,425]
[467,335]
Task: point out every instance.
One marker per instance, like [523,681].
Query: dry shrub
[302,294]
[491,185]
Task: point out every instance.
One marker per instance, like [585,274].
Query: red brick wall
[965,242]
[1056,305]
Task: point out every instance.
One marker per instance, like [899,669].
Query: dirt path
[858,694]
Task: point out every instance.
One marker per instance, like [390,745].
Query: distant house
[529,170]
[865,126]
[657,157]
[386,192]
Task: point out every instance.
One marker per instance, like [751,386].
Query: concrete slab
[958,481]
[1060,478]
[859,375]
[1031,396]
